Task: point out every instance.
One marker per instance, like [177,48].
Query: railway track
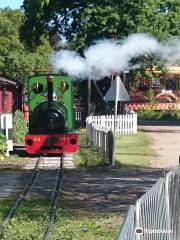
[54,197]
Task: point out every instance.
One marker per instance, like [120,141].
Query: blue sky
[14,4]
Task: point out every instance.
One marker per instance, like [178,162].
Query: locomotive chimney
[50,90]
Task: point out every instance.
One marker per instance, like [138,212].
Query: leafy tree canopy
[81,22]
[16,61]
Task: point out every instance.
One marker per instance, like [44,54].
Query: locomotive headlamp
[37,87]
[64,86]
[73,141]
[29,142]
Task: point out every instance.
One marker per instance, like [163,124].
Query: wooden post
[110,146]
[89,96]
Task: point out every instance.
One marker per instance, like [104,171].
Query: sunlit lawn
[133,149]
[31,219]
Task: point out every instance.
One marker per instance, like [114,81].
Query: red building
[10,95]
[165,88]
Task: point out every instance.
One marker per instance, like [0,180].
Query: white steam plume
[101,59]
[170,50]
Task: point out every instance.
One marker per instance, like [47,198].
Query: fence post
[110,147]
[135,123]
[104,144]
[91,133]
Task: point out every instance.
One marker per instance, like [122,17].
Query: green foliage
[176,114]
[82,22]
[16,60]
[156,115]
[88,155]
[149,114]
[19,127]
[83,140]
[3,147]
[151,96]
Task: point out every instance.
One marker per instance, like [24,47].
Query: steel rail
[54,199]
[22,196]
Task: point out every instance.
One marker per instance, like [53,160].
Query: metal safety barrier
[173,188]
[156,214]
[127,231]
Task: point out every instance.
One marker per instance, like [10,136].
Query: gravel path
[166,145]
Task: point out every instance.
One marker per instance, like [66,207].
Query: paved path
[166,145]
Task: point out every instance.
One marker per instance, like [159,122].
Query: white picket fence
[102,137]
[124,124]
[100,131]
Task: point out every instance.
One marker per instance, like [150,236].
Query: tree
[81,22]
[16,60]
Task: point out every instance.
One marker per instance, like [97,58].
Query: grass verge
[133,150]
[31,218]
[29,221]
[80,225]
[130,150]
[88,155]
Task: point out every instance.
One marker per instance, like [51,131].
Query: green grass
[133,150]
[30,221]
[81,225]
[130,150]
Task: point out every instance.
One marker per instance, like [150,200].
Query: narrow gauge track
[54,199]
[26,191]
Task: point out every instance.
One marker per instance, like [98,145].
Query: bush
[156,115]
[82,138]
[88,155]
[19,127]
[147,114]
[3,147]
[177,114]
